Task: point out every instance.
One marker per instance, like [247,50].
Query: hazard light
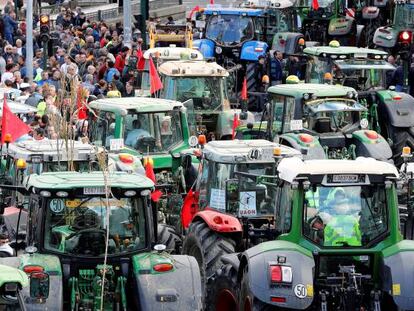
[280,274]
[32,268]
[163,267]
[306,138]
[126,158]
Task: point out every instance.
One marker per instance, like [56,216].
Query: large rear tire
[207,246]
[247,300]
[223,290]
[168,237]
[400,137]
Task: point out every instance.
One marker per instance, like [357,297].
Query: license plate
[94,190]
[345,178]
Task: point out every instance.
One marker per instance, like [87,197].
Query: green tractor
[202,86]
[337,243]
[366,71]
[137,128]
[325,121]
[12,282]
[92,237]
[327,22]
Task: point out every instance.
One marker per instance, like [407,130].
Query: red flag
[187,212]
[155,81]
[195,9]
[149,172]
[244,90]
[315,4]
[11,124]
[82,115]
[235,125]
[141,60]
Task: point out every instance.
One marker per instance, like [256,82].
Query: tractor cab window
[404,15]
[332,115]
[206,92]
[230,30]
[153,132]
[283,114]
[103,129]
[316,68]
[362,75]
[78,226]
[284,211]
[348,216]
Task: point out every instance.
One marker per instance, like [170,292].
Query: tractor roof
[356,52]
[232,151]
[73,180]
[215,10]
[18,108]
[291,168]
[174,53]
[192,68]
[320,90]
[51,150]
[139,104]
[273,4]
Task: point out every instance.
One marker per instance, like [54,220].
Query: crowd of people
[80,55]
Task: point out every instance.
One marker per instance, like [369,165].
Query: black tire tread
[168,236]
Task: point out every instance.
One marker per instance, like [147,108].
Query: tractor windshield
[153,132]
[332,115]
[230,30]
[213,187]
[404,15]
[362,75]
[316,68]
[345,216]
[79,225]
[78,166]
[207,93]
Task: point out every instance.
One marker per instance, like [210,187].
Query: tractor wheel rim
[226,301]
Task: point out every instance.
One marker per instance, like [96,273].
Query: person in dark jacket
[276,68]
[10,26]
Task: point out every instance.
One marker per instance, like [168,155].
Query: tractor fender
[396,271]
[251,50]
[51,265]
[370,12]
[299,295]
[314,149]
[396,107]
[385,37]
[375,148]
[340,26]
[226,120]
[205,46]
[177,289]
[218,221]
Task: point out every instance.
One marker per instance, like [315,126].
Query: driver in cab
[135,134]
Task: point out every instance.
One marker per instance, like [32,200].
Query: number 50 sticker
[300,291]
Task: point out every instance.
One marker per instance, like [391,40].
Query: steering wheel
[147,142]
[87,220]
[316,227]
[90,245]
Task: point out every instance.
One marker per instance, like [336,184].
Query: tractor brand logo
[255,154]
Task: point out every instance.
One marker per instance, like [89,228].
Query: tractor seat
[323,125]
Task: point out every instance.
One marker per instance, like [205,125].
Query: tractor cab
[325,120]
[360,68]
[337,242]
[88,228]
[159,56]
[202,87]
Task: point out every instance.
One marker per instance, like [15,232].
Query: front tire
[207,246]
[223,290]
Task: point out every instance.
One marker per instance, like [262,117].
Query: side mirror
[39,285]
[232,195]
